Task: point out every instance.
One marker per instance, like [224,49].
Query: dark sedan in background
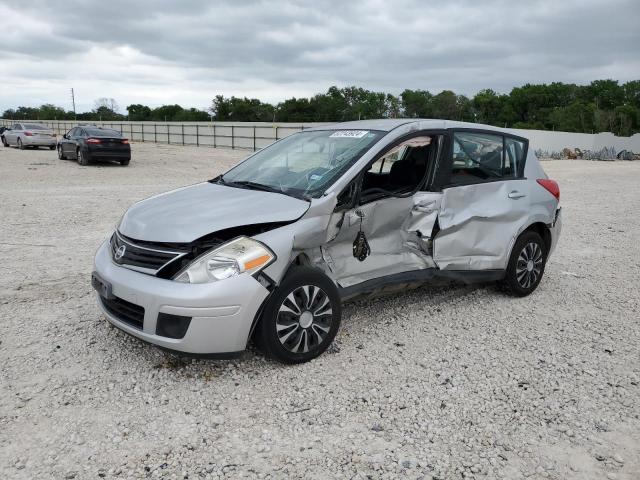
[87,143]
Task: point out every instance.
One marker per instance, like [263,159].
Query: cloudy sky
[186,52]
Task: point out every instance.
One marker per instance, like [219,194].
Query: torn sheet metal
[397,231]
[478,223]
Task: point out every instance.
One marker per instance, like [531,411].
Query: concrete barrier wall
[255,135]
[556,141]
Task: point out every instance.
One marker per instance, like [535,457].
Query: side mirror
[65,136]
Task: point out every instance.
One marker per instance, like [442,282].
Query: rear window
[35,126]
[102,132]
[480,157]
[514,161]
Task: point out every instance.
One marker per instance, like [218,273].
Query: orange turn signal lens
[256,262]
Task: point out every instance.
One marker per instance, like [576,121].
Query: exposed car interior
[477,157]
[402,169]
[303,164]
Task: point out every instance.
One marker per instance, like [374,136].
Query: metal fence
[252,136]
[256,135]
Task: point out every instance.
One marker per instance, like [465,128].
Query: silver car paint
[44,138]
[222,312]
[390,226]
[473,236]
[188,213]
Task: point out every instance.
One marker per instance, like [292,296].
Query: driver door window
[399,171]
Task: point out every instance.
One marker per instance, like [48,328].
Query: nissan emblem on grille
[120,252]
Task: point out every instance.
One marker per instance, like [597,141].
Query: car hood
[186,214]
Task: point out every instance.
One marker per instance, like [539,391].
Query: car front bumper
[222,313]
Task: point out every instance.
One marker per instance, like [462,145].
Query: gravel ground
[458,382]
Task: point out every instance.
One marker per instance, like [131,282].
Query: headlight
[233,258]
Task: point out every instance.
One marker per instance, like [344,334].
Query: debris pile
[604,154]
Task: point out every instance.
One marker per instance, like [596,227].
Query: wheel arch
[542,230]
[537,226]
[301,259]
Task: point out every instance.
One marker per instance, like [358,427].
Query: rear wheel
[52,147]
[82,159]
[60,154]
[20,145]
[526,265]
[4,142]
[124,163]
[301,318]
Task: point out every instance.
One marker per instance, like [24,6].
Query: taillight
[28,134]
[125,141]
[93,140]
[550,186]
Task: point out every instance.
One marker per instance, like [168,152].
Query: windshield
[303,164]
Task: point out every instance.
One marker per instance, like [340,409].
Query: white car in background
[24,135]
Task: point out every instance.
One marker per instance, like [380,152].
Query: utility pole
[73,100]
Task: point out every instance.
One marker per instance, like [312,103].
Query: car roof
[388,124]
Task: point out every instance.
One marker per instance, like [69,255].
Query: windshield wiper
[253,186]
[258,186]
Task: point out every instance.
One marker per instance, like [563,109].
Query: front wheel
[4,142]
[61,155]
[20,145]
[301,318]
[526,265]
[124,163]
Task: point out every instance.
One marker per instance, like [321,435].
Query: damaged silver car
[271,248]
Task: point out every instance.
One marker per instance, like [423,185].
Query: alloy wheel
[529,265]
[304,319]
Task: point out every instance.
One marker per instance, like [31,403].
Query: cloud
[186,52]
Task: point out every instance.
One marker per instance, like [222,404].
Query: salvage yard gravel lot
[436,382]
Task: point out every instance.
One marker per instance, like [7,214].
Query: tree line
[602,105]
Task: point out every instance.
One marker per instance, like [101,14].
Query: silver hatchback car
[271,248]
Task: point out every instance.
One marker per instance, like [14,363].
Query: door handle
[516,194]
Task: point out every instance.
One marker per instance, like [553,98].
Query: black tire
[82,159]
[124,163]
[20,145]
[284,334]
[4,142]
[52,147]
[526,265]
[60,154]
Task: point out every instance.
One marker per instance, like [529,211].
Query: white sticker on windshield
[349,134]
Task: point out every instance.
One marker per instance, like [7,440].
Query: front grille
[126,312]
[136,255]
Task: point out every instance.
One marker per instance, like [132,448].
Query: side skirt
[426,276]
